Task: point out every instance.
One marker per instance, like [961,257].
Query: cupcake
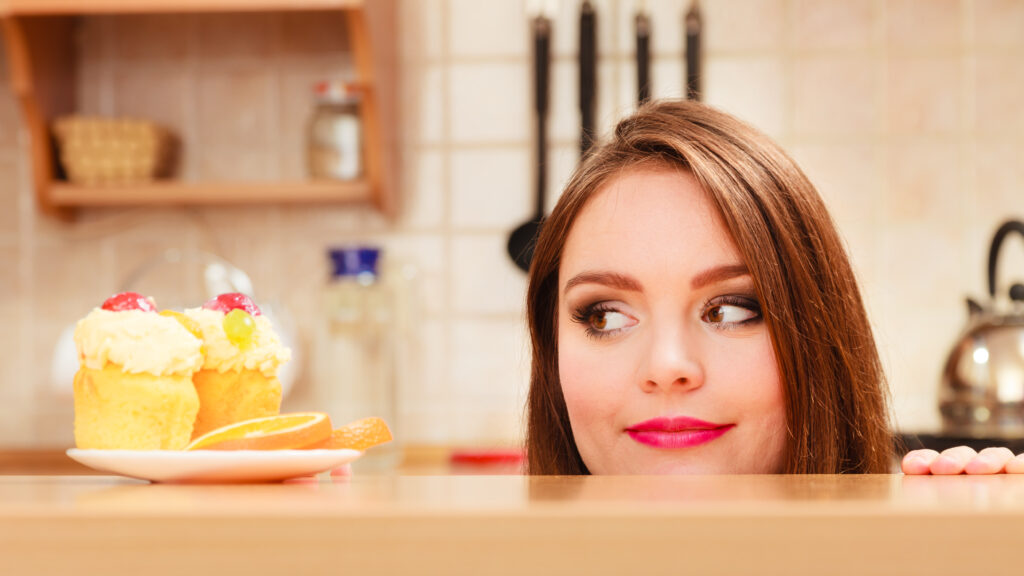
[242,353]
[133,389]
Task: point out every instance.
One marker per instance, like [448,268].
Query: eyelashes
[726,312]
[732,311]
[595,319]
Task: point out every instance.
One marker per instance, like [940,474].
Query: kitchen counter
[515,525]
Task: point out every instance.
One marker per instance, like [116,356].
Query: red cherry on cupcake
[129,301]
[233,301]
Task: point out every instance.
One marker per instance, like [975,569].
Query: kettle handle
[993,253]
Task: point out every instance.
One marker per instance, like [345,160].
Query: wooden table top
[875,524]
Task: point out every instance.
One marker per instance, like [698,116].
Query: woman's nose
[673,361]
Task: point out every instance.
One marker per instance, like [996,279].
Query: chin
[681,464]
[678,468]
[660,465]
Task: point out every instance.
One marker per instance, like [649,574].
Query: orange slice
[281,432]
[189,324]
[358,435]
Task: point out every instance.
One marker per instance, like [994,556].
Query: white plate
[214,465]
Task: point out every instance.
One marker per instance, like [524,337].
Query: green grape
[239,328]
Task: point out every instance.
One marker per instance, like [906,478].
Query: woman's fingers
[953,460]
[963,459]
[1016,465]
[919,461]
[989,461]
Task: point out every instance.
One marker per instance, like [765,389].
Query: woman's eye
[731,314]
[607,320]
[599,321]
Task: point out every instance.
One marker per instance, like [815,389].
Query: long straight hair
[836,397]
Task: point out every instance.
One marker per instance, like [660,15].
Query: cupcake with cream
[242,353]
[133,389]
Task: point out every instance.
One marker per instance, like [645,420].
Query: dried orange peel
[292,431]
[358,435]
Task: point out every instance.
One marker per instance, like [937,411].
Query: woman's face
[665,361]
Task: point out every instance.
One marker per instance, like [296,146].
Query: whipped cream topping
[265,354]
[137,341]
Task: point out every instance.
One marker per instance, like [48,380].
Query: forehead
[653,220]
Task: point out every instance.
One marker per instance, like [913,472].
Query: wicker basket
[107,151]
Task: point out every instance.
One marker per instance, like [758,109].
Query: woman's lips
[680,432]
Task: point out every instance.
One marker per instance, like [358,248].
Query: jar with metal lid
[335,132]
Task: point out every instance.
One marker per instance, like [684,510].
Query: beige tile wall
[905,113]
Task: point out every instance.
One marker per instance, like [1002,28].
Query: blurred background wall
[907,115]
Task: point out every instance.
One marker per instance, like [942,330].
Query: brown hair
[834,386]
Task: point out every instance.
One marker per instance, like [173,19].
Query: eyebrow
[625,282]
[718,274]
[610,279]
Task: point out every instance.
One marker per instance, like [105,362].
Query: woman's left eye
[732,311]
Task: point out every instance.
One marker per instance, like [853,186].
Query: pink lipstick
[679,432]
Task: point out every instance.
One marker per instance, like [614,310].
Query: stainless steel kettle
[982,389]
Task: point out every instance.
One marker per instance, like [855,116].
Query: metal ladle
[523,239]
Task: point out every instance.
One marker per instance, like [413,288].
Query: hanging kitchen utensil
[692,24]
[982,388]
[524,238]
[643,55]
[588,75]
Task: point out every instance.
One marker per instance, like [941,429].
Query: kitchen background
[907,115]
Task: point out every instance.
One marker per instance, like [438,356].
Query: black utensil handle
[643,58]
[541,57]
[587,131]
[993,253]
[588,75]
[541,62]
[542,154]
[692,24]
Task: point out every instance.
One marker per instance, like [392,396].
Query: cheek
[754,374]
[581,381]
[589,384]
[743,384]
[766,406]
[768,392]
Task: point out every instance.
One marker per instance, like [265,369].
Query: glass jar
[360,348]
[334,146]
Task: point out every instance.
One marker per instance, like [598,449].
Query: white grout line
[448,241]
[967,125]
[26,264]
[788,74]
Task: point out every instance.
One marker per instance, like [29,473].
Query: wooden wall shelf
[83,7]
[207,193]
[39,36]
